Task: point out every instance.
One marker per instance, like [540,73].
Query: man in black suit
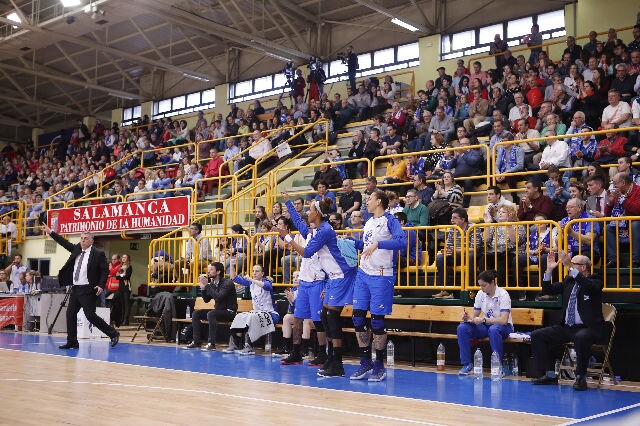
[86,271]
[223,291]
[582,321]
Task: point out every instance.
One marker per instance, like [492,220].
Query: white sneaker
[247,350]
[230,349]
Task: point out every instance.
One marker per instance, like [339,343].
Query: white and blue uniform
[374,282]
[323,243]
[312,277]
[262,297]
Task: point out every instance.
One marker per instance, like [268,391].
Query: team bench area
[424,321]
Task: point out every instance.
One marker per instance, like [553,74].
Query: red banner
[11,311]
[160,213]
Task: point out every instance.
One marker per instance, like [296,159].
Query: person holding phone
[491,318]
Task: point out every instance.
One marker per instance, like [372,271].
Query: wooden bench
[243,306]
[430,314]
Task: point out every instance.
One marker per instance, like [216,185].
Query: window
[408,51]
[127,114]
[137,112]
[364,61]
[178,102]
[380,61]
[487,34]
[263,83]
[551,20]
[208,96]
[193,99]
[463,40]
[383,57]
[243,88]
[164,105]
[519,27]
[476,41]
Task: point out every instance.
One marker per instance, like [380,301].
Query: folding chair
[597,369]
[151,325]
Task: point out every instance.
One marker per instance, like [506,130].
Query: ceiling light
[121,95]
[196,77]
[404,24]
[70,3]
[13,16]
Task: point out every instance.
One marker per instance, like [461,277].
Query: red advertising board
[161,213]
[11,311]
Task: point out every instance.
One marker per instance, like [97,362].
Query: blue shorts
[373,293]
[339,291]
[309,300]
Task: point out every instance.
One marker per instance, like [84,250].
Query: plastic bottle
[267,344]
[557,369]
[373,352]
[440,357]
[390,354]
[506,367]
[477,364]
[178,338]
[515,368]
[188,315]
[496,367]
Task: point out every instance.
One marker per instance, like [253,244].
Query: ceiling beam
[68,80]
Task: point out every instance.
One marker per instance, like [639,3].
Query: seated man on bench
[214,286]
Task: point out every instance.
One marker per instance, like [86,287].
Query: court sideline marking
[223,394]
[455,404]
[606,413]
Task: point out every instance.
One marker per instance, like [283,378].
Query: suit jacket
[591,202]
[224,294]
[589,298]
[97,266]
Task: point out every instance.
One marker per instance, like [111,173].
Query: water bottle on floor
[557,369]
[440,357]
[390,354]
[373,352]
[267,344]
[477,364]
[515,368]
[188,315]
[496,367]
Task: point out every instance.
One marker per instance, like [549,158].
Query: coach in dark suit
[86,271]
[582,321]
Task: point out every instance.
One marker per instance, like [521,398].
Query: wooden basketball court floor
[150,384]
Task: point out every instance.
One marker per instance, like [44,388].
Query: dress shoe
[545,380]
[192,345]
[69,346]
[580,384]
[115,339]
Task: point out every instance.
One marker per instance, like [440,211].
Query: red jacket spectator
[612,146]
[541,205]
[535,97]
[212,169]
[631,203]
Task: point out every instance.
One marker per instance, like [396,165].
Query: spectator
[468,163]
[556,153]
[393,141]
[623,200]
[478,111]
[582,237]
[350,200]
[327,174]
[323,193]
[611,148]
[424,192]
[442,124]
[357,151]
[448,190]
[396,172]
[509,159]
[451,255]
[504,244]
[362,103]
[617,113]
[495,202]
[412,254]
[534,202]
[417,213]
[531,147]
[623,83]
